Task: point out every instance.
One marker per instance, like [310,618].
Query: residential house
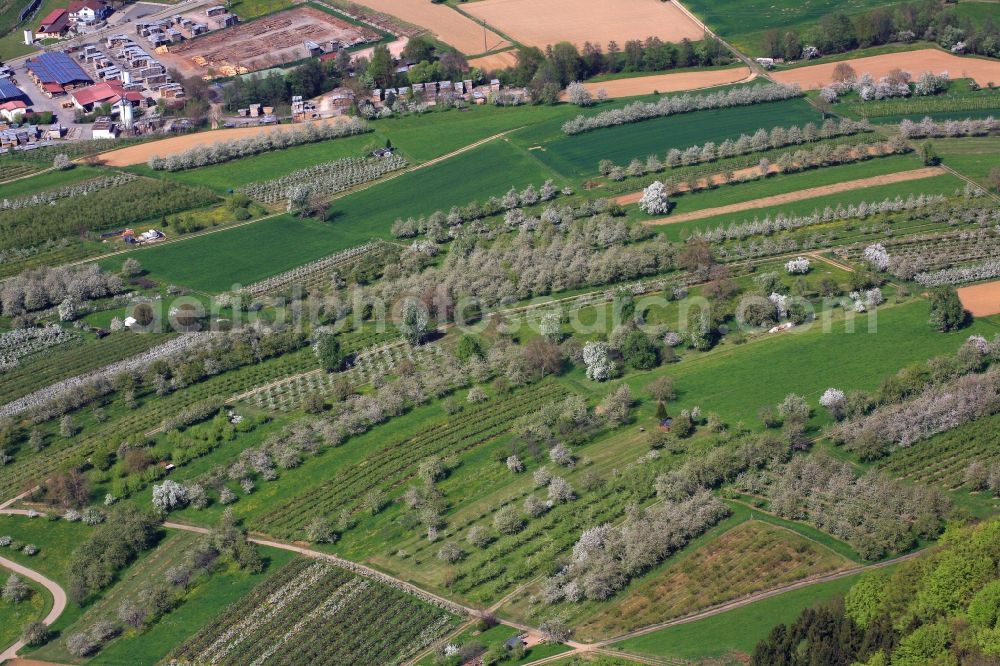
[13,110]
[54,25]
[88,12]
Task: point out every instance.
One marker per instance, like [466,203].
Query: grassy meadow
[578,155]
[735,631]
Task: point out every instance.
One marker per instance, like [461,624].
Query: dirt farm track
[141,153]
[914,62]
[982,300]
[544,22]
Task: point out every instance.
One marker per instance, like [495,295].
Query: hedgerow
[224,151]
[668,106]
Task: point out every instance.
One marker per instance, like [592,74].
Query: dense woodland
[942,609]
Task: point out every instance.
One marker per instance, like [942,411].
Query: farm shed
[55,72]
[9,92]
[54,24]
[106,92]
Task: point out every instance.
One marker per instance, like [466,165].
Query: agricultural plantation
[602,381]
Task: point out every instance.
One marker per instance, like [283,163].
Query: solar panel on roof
[9,91]
[58,68]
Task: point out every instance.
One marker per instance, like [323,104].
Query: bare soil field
[495,61]
[444,22]
[141,153]
[267,42]
[915,62]
[544,22]
[664,83]
[779,199]
[982,300]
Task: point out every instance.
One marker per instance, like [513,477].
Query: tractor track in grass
[790,197]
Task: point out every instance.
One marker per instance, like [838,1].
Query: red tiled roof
[53,88]
[106,91]
[52,17]
[13,104]
[77,5]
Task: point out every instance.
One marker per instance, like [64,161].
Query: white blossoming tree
[596,356]
[877,256]
[798,266]
[169,495]
[655,199]
[578,94]
[835,402]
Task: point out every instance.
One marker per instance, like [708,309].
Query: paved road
[58,600]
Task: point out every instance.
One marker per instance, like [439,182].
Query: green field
[49,180]
[810,361]
[974,157]
[13,615]
[737,630]
[266,166]
[945,184]
[578,155]
[55,540]
[215,262]
[12,42]
[724,195]
[743,21]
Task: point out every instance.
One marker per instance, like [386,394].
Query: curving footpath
[58,600]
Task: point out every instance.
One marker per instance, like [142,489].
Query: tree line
[927,20]
[546,73]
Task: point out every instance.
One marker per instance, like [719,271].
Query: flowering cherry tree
[798,266]
[596,356]
[655,199]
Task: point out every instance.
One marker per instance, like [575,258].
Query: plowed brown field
[543,22]
[914,62]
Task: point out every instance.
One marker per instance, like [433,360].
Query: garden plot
[982,300]
[266,42]
[288,394]
[916,62]
[544,22]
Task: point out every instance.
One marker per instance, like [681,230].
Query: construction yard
[266,42]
